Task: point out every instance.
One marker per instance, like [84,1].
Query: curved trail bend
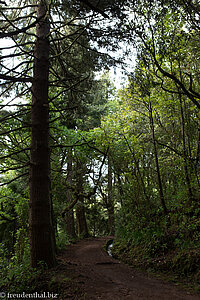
[99,276]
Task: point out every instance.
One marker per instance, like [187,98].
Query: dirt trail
[99,276]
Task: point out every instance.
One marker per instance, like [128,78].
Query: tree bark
[69,216]
[111,217]
[197,158]
[187,177]
[139,177]
[82,228]
[160,186]
[41,229]
[120,189]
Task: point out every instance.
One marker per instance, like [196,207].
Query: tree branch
[22,30]
[14,153]
[15,79]
[8,182]
[94,8]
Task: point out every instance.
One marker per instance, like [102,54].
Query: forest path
[99,276]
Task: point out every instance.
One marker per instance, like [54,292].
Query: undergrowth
[17,276]
[163,243]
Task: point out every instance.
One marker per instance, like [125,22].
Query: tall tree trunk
[120,189]
[82,228]
[139,176]
[69,216]
[160,186]
[187,177]
[197,158]
[110,206]
[41,229]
